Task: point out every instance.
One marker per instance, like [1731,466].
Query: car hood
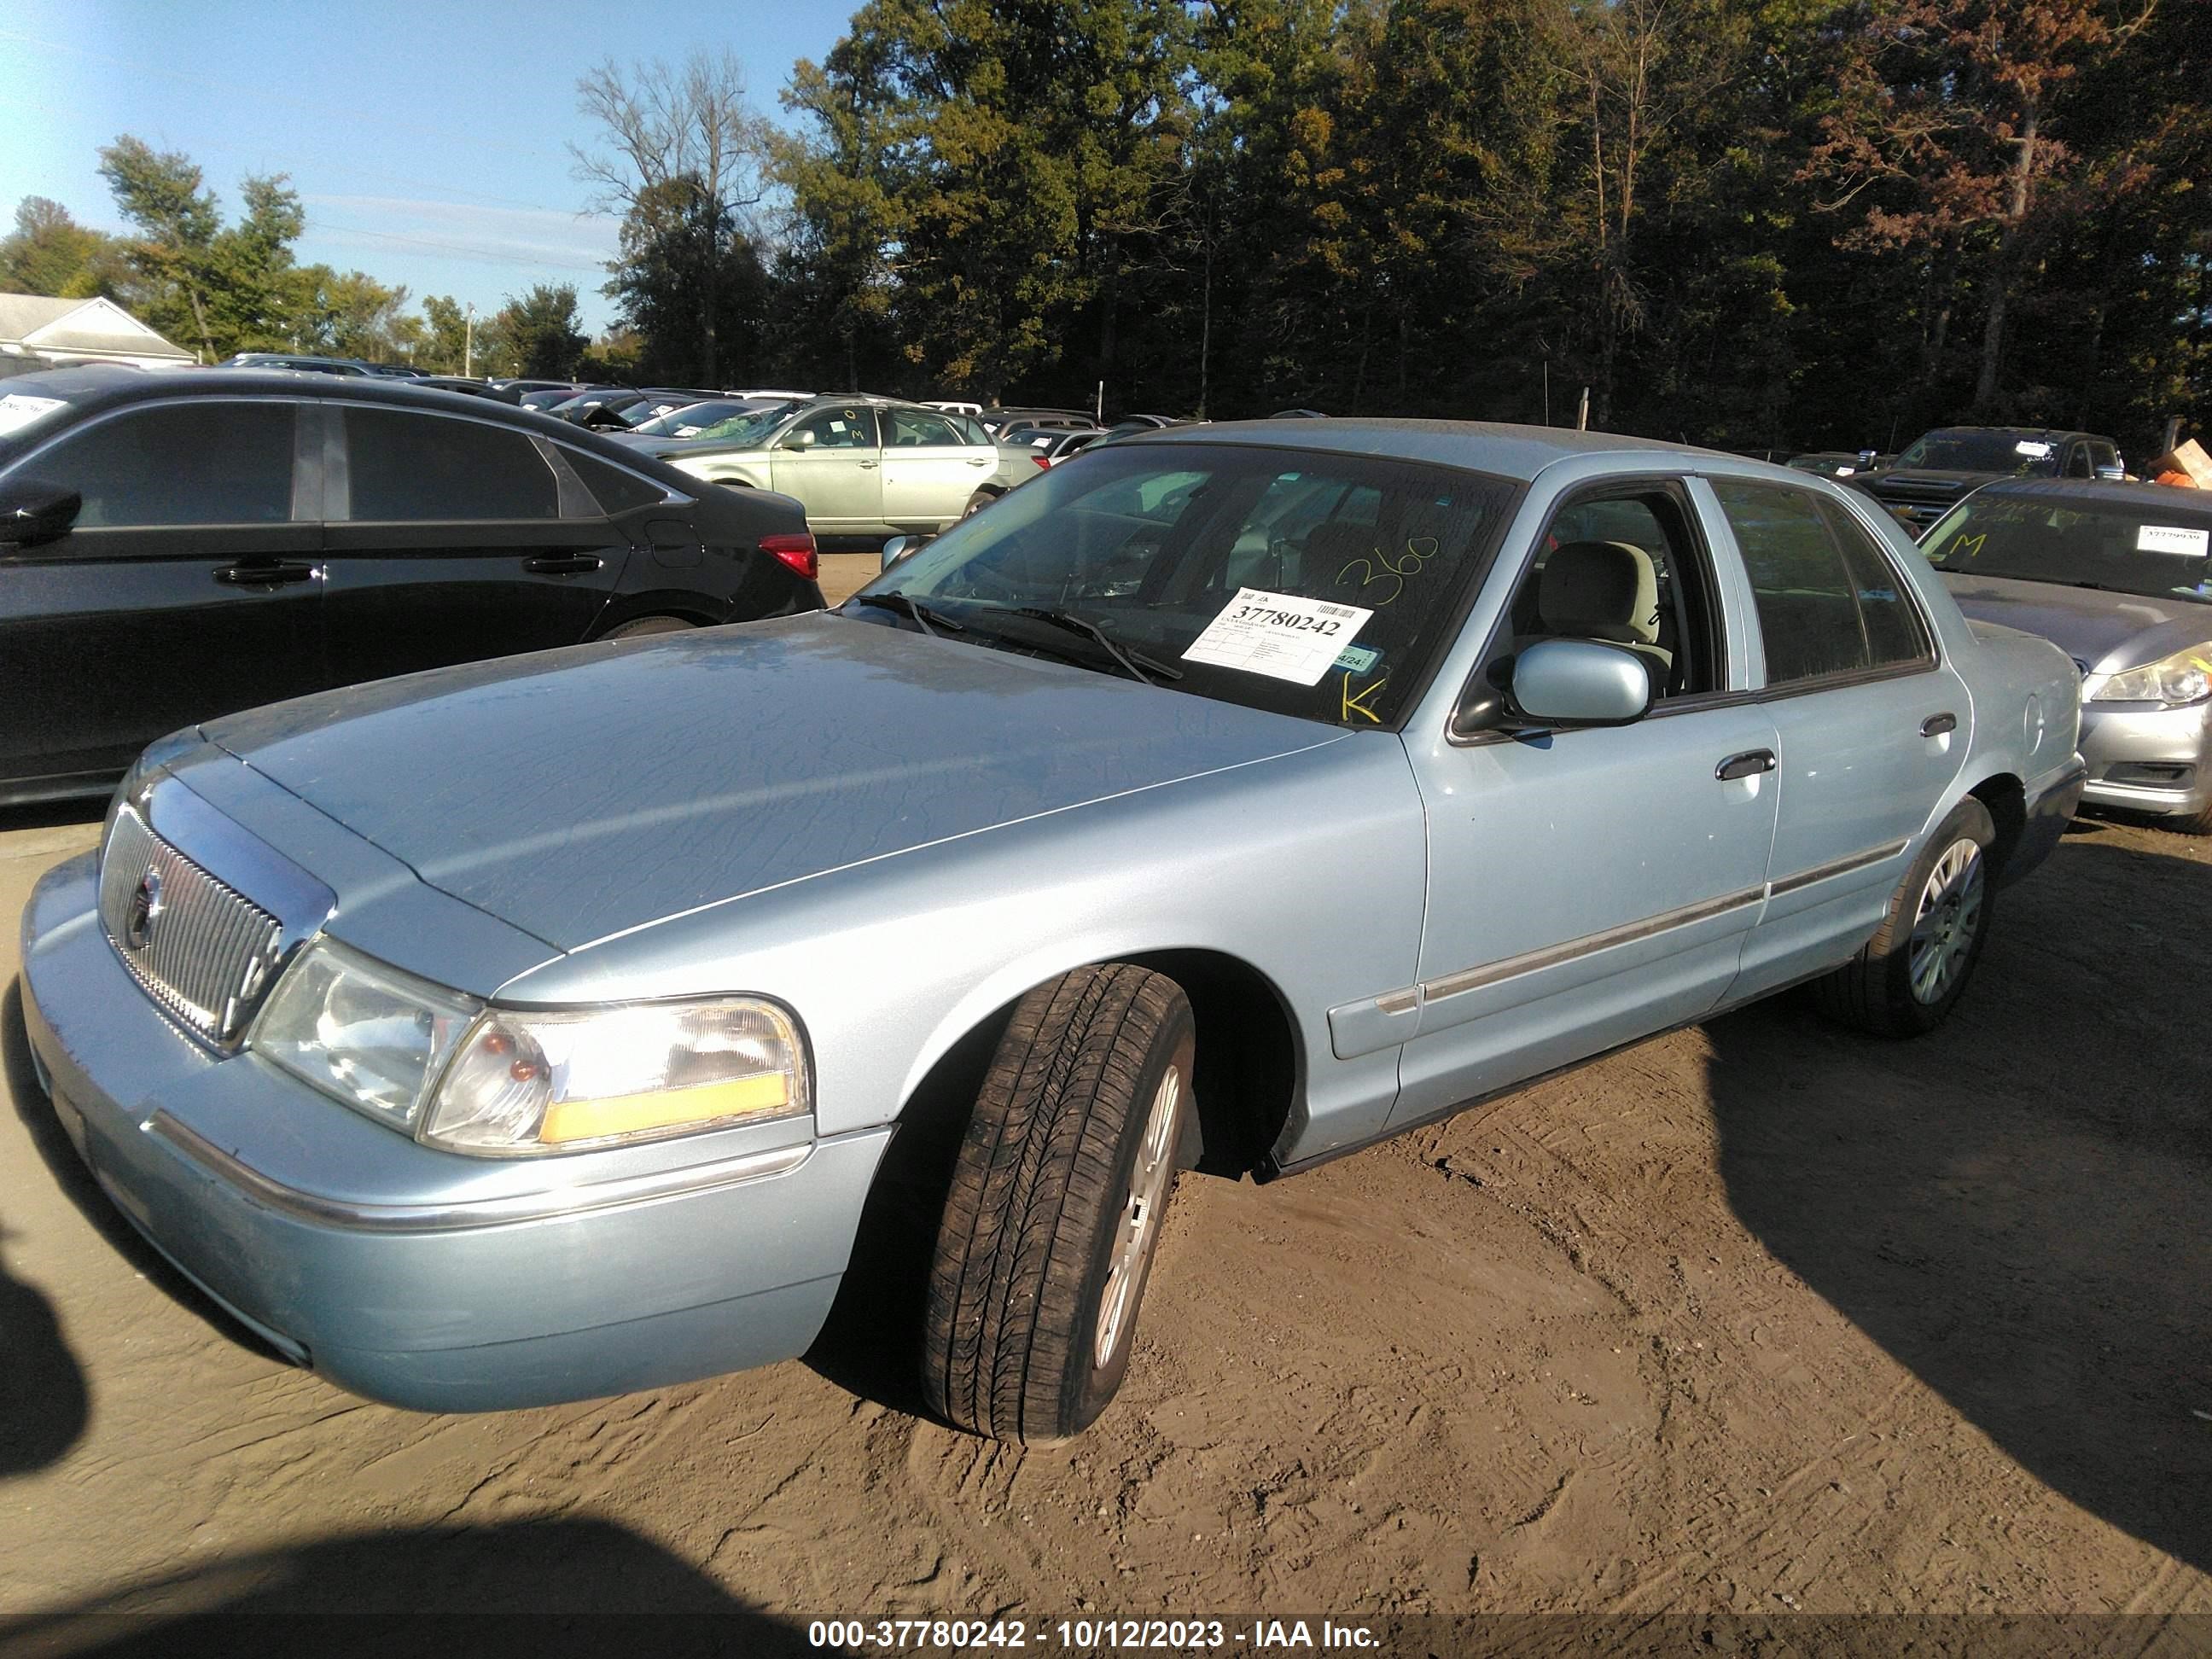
[2099,630]
[582,793]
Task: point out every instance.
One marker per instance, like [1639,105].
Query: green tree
[160,194]
[539,335]
[48,253]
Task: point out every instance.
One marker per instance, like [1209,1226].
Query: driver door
[838,476]
[1590,887]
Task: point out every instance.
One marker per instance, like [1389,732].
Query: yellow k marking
[1357,705]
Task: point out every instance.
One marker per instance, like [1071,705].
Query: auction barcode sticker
[2171,538]
[1283,635]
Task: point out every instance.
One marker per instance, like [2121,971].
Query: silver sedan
[1238,797]
[2120,577]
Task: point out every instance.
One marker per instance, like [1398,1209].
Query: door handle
[1749,764]
[979,460]
[1937,724]
[563,564]
[867,463]
[264,573]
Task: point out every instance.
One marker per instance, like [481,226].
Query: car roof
[94,386]
[1510,452]
[2060,432]
[2153,500]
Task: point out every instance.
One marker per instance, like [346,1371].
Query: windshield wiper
[1140,667]
[923,616]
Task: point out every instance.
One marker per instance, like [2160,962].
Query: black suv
[1954,460]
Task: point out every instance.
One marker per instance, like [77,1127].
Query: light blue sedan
[1230,798]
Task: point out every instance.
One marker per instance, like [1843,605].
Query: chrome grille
[202,951]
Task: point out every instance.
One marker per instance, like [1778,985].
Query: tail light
[1042,461]
[795,550]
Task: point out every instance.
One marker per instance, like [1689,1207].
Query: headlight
[2176,681]
[360,1032]
[505,1082]
[526,1082]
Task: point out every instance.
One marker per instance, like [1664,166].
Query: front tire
[1058,1194]
[1908,977]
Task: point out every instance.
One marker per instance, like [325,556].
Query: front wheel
[1909,976]
[1058,1193]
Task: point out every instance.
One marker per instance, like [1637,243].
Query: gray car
[1236,797]
[2120,577]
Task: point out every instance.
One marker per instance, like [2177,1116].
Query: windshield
[1315,585]
[746,430]
[686,419]
[2023,454]
[2132,548]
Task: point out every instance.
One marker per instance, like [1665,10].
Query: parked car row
[1237,796]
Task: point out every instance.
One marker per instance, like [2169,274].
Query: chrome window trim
[466,1216]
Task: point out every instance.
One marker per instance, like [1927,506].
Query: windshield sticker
[2173,539]
[18,410]
[2038,450]
[1360,658]
[1284,636]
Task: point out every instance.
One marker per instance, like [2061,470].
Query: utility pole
[1582,415]
[469,342]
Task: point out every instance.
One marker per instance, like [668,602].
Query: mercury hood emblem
[145,906]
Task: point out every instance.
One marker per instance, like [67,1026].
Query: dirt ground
[1760,1316]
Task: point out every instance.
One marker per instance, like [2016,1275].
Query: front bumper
[2148,759]
[417,1276]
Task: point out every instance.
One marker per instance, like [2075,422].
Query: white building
[37,332]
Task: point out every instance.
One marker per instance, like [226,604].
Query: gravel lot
[1756,1317]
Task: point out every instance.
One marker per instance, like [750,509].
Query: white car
[867,467]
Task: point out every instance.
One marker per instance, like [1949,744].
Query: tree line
[1749,223]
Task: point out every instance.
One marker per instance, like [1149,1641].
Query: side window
[2104,455]
[1894,632]
[1626,570]
[910,428]
[2077,462]
[840,429]
[617,491]
[201,462]
[410,468]
[1821,611]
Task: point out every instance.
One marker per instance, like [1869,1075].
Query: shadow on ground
[535,1587]
[76,1183]
[2019,1207]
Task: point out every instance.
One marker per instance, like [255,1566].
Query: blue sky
[428,143]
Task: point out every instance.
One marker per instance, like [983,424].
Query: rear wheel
[639,627]
[977,502]
[1908,977]
[2192,824]
[1058,1194]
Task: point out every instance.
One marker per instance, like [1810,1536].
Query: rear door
[452,539]
[189,587]
[929,472]
[839,476]
[1871,727]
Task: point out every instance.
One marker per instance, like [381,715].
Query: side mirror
[31,512]
[1570,683]
[903,547]
[803,439]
